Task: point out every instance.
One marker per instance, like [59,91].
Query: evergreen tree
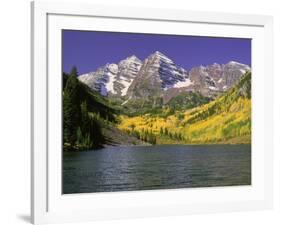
[85,119]
[71,109]
[79,139]
[96,134]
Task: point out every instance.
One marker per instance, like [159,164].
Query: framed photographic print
[148,112]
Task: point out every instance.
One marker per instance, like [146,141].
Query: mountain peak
[233,62]
[160,54]
[157,74]
[133,57]
[215,64]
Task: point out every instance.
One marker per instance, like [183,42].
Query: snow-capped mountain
[101,80]
[157,74]
[113,79]
[232,72]
[159,77]
[127,72]
[216,78]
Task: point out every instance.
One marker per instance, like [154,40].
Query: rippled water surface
[156,167]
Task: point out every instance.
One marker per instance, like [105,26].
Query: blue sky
[88,50]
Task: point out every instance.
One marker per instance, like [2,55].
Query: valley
[157,102]
[227,119]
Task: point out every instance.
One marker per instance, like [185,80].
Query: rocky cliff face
[113,79]
[232,72]
[128,69]
[209,81]
[158,78]
[215,78]
[101,80]
[157,74]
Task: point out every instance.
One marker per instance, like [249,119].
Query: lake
[156,167]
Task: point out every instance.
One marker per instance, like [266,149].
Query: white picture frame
[48,205]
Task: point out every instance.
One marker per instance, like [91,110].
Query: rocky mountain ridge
[159,77]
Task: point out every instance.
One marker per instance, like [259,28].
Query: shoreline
[191,144]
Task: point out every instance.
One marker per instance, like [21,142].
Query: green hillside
[227,119]
[84,113]
[187,100]
[89,119]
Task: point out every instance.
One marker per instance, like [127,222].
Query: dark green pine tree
[85,119]
[96,134]
[71,109]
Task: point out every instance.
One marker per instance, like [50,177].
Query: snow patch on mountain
[213,88]
[184,83]
[128,70]
[126,83]
[109,87]
[114,79]
[159,75]
[126,100]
